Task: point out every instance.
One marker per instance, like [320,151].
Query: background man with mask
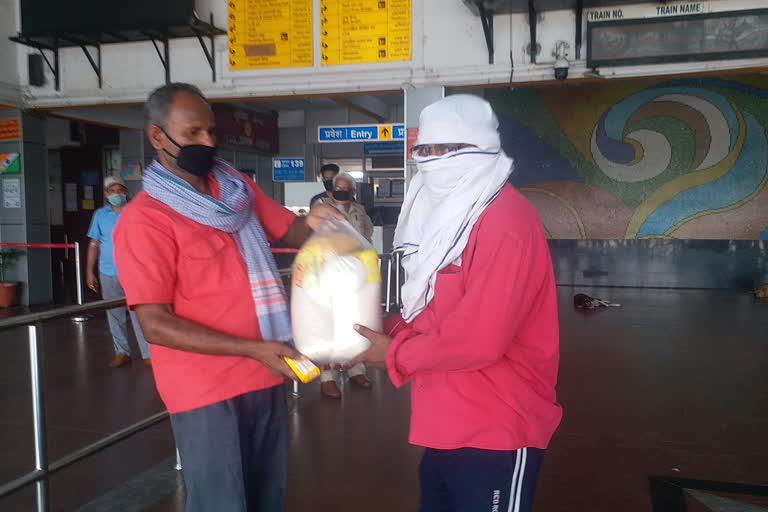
[327,173]
[478,334]
[343,198]
[194,259]
[100,249]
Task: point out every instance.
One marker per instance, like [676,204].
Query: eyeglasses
[423,150]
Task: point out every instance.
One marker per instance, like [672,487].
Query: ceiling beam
[367,105]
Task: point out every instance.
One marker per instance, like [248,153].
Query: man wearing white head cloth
[478,333]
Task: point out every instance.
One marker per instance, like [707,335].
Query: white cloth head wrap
[449,192]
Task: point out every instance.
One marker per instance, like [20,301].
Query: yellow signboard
[385,131]
[364,31]
[269,33]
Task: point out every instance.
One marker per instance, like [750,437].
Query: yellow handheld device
[304,369]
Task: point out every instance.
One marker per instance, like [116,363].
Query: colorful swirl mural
[643,159]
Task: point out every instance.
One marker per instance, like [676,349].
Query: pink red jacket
[482,358]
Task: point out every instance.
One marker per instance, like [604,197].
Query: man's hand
[92,281]
[271,354]
[376,356]
[320,212]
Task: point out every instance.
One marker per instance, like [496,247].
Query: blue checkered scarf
[233,214]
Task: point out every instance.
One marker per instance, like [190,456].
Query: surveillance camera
[561,69]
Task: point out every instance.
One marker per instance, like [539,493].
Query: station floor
[673,383]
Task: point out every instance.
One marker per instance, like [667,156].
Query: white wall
[448,50]
[10,81]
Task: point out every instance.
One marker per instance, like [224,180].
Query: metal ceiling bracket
[96,65]
[486,17]
[41,48]
[209,55]
[165,57]
[532,23]
[84,43]
[54,41]
[55,67]
[579,25]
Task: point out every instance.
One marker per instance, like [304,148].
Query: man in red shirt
[193,258]
[478,333]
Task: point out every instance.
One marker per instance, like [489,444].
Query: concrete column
[24,208]
[132,152]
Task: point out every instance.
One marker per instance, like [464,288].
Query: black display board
[715,36]
[44,17]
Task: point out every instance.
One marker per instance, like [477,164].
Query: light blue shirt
[102,226]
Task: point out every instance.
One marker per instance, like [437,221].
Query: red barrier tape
[40,246]
[276,250]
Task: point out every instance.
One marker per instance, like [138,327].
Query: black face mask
[342,195]
[328,184]
[196,159]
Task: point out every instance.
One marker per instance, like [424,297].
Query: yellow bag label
[370,260]
[304,369]
[309,260]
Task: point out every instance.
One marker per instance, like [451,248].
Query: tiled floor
[672,383]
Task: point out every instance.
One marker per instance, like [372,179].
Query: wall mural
[642,159]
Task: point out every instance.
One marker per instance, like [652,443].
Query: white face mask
[441,174]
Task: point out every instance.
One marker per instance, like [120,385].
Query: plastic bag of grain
[336,284]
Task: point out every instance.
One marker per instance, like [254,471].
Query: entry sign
[361,133]
[287,169]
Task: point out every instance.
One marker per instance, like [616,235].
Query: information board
[269,33]
[383,148]
[287,169]
[364,31]
[10,129]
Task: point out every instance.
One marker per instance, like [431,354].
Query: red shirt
[166,258]
[483,355]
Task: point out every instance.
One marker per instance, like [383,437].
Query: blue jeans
[118,326]
[235,453]
[474,480]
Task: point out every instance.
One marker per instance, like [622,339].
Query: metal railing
[43,468]
[66,246]
[34,323]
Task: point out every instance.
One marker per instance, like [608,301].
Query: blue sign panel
[287,169]
[384,148]
[361,133]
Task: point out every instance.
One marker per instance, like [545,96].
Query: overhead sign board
[648,11]
[361,133]
[287,169]
[364,31]
[271,34]
[678,38]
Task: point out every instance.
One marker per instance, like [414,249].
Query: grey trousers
[333,374]
[235,453]
[118,324]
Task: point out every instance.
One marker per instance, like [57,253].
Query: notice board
[364,31]
[269,34]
